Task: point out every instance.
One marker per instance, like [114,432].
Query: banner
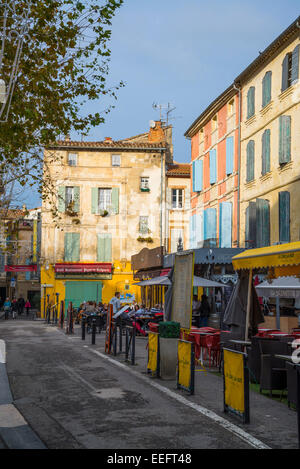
[236,384]
[20,268]
[34,240]
[186,368]
[153,353]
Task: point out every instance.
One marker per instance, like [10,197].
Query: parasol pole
[278,312]
[248,304]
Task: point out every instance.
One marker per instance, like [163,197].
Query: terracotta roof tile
[120,144]
[179,169]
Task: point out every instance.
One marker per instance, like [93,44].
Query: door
[78,292]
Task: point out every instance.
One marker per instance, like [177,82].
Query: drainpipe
[239,164]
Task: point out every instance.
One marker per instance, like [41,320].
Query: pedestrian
[196,311]
[115,301]
[7,308]
[21,304]
[27,306]
[204,311]
[14,308]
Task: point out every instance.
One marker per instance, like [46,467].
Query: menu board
[183,289]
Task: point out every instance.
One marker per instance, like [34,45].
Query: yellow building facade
[111,203]
[270,144]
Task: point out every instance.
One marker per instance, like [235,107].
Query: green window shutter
[266,152]
[61,199]
[295,65]
[104,248]
[250,226]
[285,73]
[266,89]
[115,200]
[251,102]
[262,223]
[95,192]
[284,139]
[76,199]
[250,161]
[284,217]
[72,247]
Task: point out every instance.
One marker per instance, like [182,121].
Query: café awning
[282,287]
[285,257]
[164,280]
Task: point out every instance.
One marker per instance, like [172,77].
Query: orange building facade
[215,159]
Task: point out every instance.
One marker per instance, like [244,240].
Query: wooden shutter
[284,217]
[210,225]
[72,247]
[199,229]
[95,205]
[213,166]
[251,102]
[266,89]
[266,152]
[262,223]
[76,190]
[284,139]
[115,200]
[285,73]
[250,161]
[197,176]
[192,231]
[229,155]
[295,65]
[27,274]
[62,199]
[104,247]
[225,224]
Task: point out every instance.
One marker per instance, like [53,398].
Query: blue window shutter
[104,248]
[213,166]
[266,88]
[250,161]
[210,224]
[115,200]
[284,217]
[199,229]
[266,152]
[225,226]
[72,247]
[76,199]
[27,274]
[229,155]
[192,231]
[295,65]
[251,102]
[197,176]
[61,199]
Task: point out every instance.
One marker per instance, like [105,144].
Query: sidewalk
[271,422]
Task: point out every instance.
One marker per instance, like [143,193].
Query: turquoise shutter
[104,248]
[229,155]
[225,225]
[115,200]
[263,223]
[266,152]
[197,176]
[72,247]
[285,73]
[61,199]
[192,231]
[284,139]
[213,166]
[295,65]
[251,102]
[284,217]
[250,161]
[199,229]
[76,199]
[210,225]
[266,89]
[95,205]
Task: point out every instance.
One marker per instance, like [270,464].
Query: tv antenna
[164,111]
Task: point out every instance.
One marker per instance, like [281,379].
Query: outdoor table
[197,335]
[284,357]
[244,343]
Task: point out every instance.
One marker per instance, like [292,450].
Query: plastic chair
[212,343]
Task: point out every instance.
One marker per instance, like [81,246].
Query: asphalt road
[73,398]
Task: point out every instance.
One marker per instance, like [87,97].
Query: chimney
[108,140]
[67,138]
[156,133]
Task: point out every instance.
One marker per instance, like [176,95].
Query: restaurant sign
[96,268]
[21,268]
[236,384]
[186,366]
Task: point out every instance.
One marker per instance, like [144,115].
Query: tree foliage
[64,65]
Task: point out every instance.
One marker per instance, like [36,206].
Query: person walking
[204,311]
[7,308]
[21,304]
[14,308]
[115,301]
[196,311]
[27,306]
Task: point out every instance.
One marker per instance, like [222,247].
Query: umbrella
[165,280]
[284,287]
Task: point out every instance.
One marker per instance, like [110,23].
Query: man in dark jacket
[204,311]
[21,304]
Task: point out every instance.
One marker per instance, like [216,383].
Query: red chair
[213,347]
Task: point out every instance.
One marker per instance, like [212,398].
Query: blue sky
[184,53]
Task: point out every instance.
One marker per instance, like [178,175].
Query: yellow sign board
[152,352]
[234,380]
[184,363]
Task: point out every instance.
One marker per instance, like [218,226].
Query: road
[72,397]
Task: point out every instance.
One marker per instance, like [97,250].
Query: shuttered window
[266,88]
[266,152]
[72,247]
[284,139]
[284,217]
[250,161]
[210,225]
[262,223]
[213,166]
[250,226]
[68,198]
[290,69]
[225,224]
[105,199]
[104,247]
[251,102]
[197,169]
[295,65]
[229,155]
[199,229]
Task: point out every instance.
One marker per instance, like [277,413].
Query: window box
[140,239]
[145,189]
[103,213]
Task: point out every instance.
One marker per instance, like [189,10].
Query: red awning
[21,268]
[95,268]
[165,271]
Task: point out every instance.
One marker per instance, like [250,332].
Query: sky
[184,53]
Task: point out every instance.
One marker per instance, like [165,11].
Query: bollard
[62,314]
[83,328]
[133,346]
[93,331]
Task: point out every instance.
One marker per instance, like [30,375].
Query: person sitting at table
[156,309]
[204,311]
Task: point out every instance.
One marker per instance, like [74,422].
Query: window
[251,102]
[72,159]
[257,226]
[116,160]
[104,200]
[177,198]
[145,184]
[290,69]
[214,123]
[231,107]
[143,225]
[250,161]
[266,89]
[266,152]
[68,198]
[201,135]
[72,247]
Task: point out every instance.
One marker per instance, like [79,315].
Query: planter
[168,349]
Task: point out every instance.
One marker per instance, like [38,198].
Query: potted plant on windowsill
[145,189]
[140,239]
[103,213]
[70,210]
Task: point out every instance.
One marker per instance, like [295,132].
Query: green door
[77,292]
